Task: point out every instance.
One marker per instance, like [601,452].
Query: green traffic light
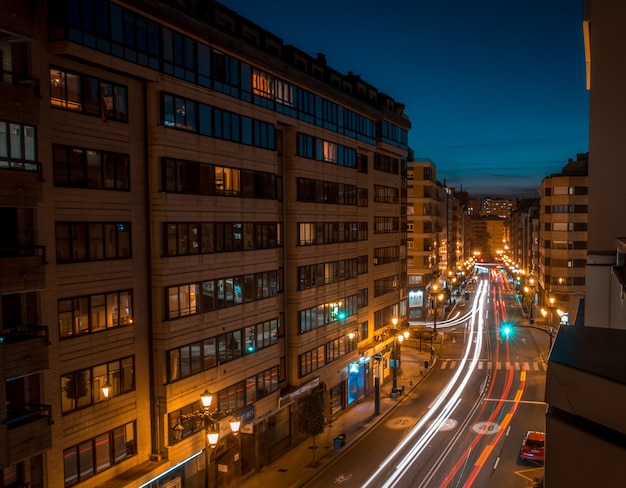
[506,330]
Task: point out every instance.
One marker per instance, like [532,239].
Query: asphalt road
[478,443]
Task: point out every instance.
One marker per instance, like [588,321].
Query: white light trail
[444,404]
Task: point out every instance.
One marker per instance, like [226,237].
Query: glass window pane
[100,378]
[119,444]
[125,308]
[30,153]
[15,133]
[209,353]
[112,310]
[79,242]
[98,313]
[103,452]
[82,389]
[70,466]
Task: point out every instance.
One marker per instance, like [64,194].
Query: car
[533,446]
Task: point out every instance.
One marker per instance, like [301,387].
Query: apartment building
[488,235]
[501,207]
[586,377]
[190,205]
[425,223]
[524,240]
[563,244]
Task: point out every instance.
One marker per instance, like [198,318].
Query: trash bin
[426,363]
[339,441]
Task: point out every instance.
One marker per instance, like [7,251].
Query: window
[327,313]
[85,94]
[80,241]
[87,168]
[262,84]
[185,300]
[93,313]
[98,454]
[386,194]
[18,147]
[184,114]
[83,388]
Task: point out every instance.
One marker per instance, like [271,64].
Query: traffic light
[506,330]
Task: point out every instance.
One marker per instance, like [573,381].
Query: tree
[312,415]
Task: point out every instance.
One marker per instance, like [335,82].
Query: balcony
[27,433]
[22,269]
[25,350]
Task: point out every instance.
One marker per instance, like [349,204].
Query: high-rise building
[189,204]
[425,224]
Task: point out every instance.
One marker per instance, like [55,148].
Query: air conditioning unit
[173,483]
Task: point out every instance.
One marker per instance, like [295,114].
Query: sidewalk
[294,468]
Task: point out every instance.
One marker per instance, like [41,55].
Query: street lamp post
[207,419]
[436,299]
[394,321]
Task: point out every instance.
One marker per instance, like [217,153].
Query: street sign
[378,356]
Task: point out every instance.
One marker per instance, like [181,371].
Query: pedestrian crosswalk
[499,365]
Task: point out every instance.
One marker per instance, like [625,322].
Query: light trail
[443,406]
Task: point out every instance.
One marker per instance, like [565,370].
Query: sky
[494,89]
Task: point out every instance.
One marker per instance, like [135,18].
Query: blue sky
[494,89]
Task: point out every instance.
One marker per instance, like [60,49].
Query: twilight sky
[494,89]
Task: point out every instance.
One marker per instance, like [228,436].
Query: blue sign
[378,356]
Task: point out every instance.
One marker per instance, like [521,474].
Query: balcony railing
[27,433]
[25,349]
[19,79]
[22,268]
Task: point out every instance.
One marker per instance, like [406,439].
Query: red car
[533,446]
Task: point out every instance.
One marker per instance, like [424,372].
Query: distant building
[496,206]
[563,244]
[524,240]
[488,236]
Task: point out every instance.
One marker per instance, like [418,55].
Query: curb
[372,423]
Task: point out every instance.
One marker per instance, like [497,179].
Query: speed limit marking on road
[400,422]
[486,428]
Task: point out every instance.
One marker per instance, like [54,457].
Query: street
[464,425]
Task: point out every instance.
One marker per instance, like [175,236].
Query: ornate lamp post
[207,419]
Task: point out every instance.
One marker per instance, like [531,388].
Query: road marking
[486,428]
[444,365]
[400,423]
[485,454]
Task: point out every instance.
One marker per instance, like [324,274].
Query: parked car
[533,446]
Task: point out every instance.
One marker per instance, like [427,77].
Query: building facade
[425,222]
[192,205]
[563,249]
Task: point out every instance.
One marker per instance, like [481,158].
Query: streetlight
[397,342]
[436,298]
[207,419]
[394,321]
[544,312]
